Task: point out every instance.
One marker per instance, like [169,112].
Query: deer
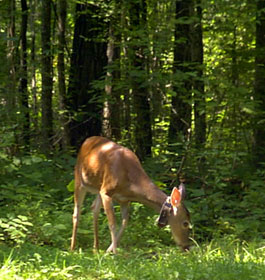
[115,174]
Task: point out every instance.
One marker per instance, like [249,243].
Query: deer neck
[150,195]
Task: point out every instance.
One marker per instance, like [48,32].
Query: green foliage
[14,228]
[225,193]
[31,203]
[225,201]
[223,197]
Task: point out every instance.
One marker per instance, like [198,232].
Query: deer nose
[185,248]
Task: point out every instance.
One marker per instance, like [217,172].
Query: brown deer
[115,174]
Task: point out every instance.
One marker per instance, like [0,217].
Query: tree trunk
[198,84]
[11,58]
[259,129]
[46,74]
[116,102]
[23,75]
[106,124]
[62,8]
[143,132]
[180,119]
[88,60]
[113,105]
[126,118]
[34,112]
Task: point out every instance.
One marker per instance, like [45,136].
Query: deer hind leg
[108,207]
[79,199]
[125,218]
[96,206]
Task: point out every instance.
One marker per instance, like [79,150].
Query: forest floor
[218,260]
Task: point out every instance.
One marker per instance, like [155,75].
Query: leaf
[248,110]
[22,218]
[60,227]
[197,192]
[71,186]
[4,225]
[84,231]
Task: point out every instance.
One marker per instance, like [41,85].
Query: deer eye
[186,224]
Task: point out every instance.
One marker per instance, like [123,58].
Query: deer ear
[182,191]
[175,197]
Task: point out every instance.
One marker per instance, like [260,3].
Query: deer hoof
[111,249]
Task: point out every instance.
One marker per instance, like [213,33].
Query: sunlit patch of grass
[224,260]
[9,268]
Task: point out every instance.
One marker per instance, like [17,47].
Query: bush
[37,207]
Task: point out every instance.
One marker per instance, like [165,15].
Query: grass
[217,260]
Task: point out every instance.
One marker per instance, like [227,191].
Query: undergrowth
[36,223]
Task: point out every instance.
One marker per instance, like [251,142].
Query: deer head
[175,214]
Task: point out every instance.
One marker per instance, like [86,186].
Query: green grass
[217,260]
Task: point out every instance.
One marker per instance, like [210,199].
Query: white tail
[115,173]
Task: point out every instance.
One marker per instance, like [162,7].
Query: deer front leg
[108,207]
[96,206]
[125,219]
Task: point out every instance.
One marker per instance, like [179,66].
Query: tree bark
[11,59]
[32,65]
[259,127]
[24,75]
[62,8]
[143,131]
[126,117]
[46,74]
[116,102]
[88,60]
[113,105]
[106,124]
[198,84]
[180,118]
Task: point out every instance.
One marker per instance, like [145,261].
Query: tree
[88,59]
[62,8]
[140,94]
[46,74]
[180,117]
[113,105]
[33,68]
[198,84]
[23,74]
[11,57]
[259,131]
[140,65]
